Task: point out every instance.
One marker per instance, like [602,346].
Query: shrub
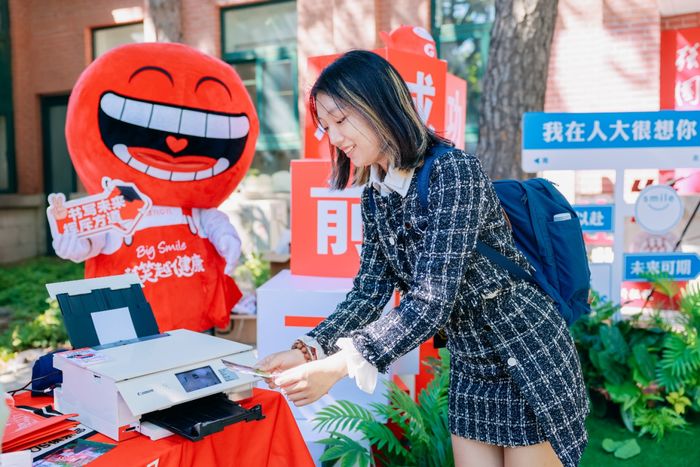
[35,321]
[648,366]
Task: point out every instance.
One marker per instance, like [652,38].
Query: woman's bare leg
[470,453]
[541,455]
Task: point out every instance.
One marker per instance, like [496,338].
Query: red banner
[680,69]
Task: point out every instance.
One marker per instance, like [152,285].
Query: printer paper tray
[198,418]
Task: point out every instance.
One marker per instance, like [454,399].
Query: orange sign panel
[326,223]
[455,109]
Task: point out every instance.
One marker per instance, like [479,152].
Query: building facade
[605,57]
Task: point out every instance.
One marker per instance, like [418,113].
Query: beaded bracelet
[308,351]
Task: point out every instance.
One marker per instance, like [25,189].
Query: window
[59,174]
[259,41]
[7,167]
[462,30]
[107,38]
[266,24]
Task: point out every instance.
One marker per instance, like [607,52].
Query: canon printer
[124,377]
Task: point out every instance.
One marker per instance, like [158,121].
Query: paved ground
[17,372]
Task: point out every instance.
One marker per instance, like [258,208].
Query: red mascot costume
[179,125]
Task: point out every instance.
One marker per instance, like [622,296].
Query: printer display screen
[198,378]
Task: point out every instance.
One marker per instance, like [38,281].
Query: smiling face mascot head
[176,122]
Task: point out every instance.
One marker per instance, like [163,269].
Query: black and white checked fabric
[515,376]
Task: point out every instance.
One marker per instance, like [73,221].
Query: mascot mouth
[171,143]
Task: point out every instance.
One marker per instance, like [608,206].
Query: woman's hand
[309,382]
[279,362]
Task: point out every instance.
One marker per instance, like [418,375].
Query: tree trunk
[162,22]
[515,80]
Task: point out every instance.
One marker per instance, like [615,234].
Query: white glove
[230,248]
[70,246]
[222,234]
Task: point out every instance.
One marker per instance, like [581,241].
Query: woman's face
[349,132]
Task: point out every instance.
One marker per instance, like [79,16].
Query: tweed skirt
[517,333]
[486,405]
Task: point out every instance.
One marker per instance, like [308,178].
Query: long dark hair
[370,85]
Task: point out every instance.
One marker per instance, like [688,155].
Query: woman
[516,392]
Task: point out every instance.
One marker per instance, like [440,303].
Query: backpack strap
[506,263]
[423,182]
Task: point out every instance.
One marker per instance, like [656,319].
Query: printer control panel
[169,387]
[199,378]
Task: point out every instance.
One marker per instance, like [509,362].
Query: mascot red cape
[180,126]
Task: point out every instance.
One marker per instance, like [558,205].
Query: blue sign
[595,217]
[622,140]
[667,128]
[676,266]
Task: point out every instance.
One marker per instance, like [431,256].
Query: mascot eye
[212,85]
[149,72]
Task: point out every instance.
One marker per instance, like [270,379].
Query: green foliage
[253,269]
[420,436]
[347,450]
[35,321]
[649,367]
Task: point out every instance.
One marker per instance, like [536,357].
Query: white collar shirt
[396,180]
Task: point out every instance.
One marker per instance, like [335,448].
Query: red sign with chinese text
[680,69]
[326,223]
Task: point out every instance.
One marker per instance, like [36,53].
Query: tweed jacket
[430,256]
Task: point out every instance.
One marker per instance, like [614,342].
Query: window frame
[451,32]
[6,101]
[260,56]
[93,29]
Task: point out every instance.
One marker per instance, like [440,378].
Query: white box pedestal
[287,299]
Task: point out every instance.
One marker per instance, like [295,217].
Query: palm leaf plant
[648,366]
[401,432]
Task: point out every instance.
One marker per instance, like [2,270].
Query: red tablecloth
[274,441]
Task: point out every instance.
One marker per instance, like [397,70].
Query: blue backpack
[547,231]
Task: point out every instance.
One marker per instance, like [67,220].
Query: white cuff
[364,373]
[215,224]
